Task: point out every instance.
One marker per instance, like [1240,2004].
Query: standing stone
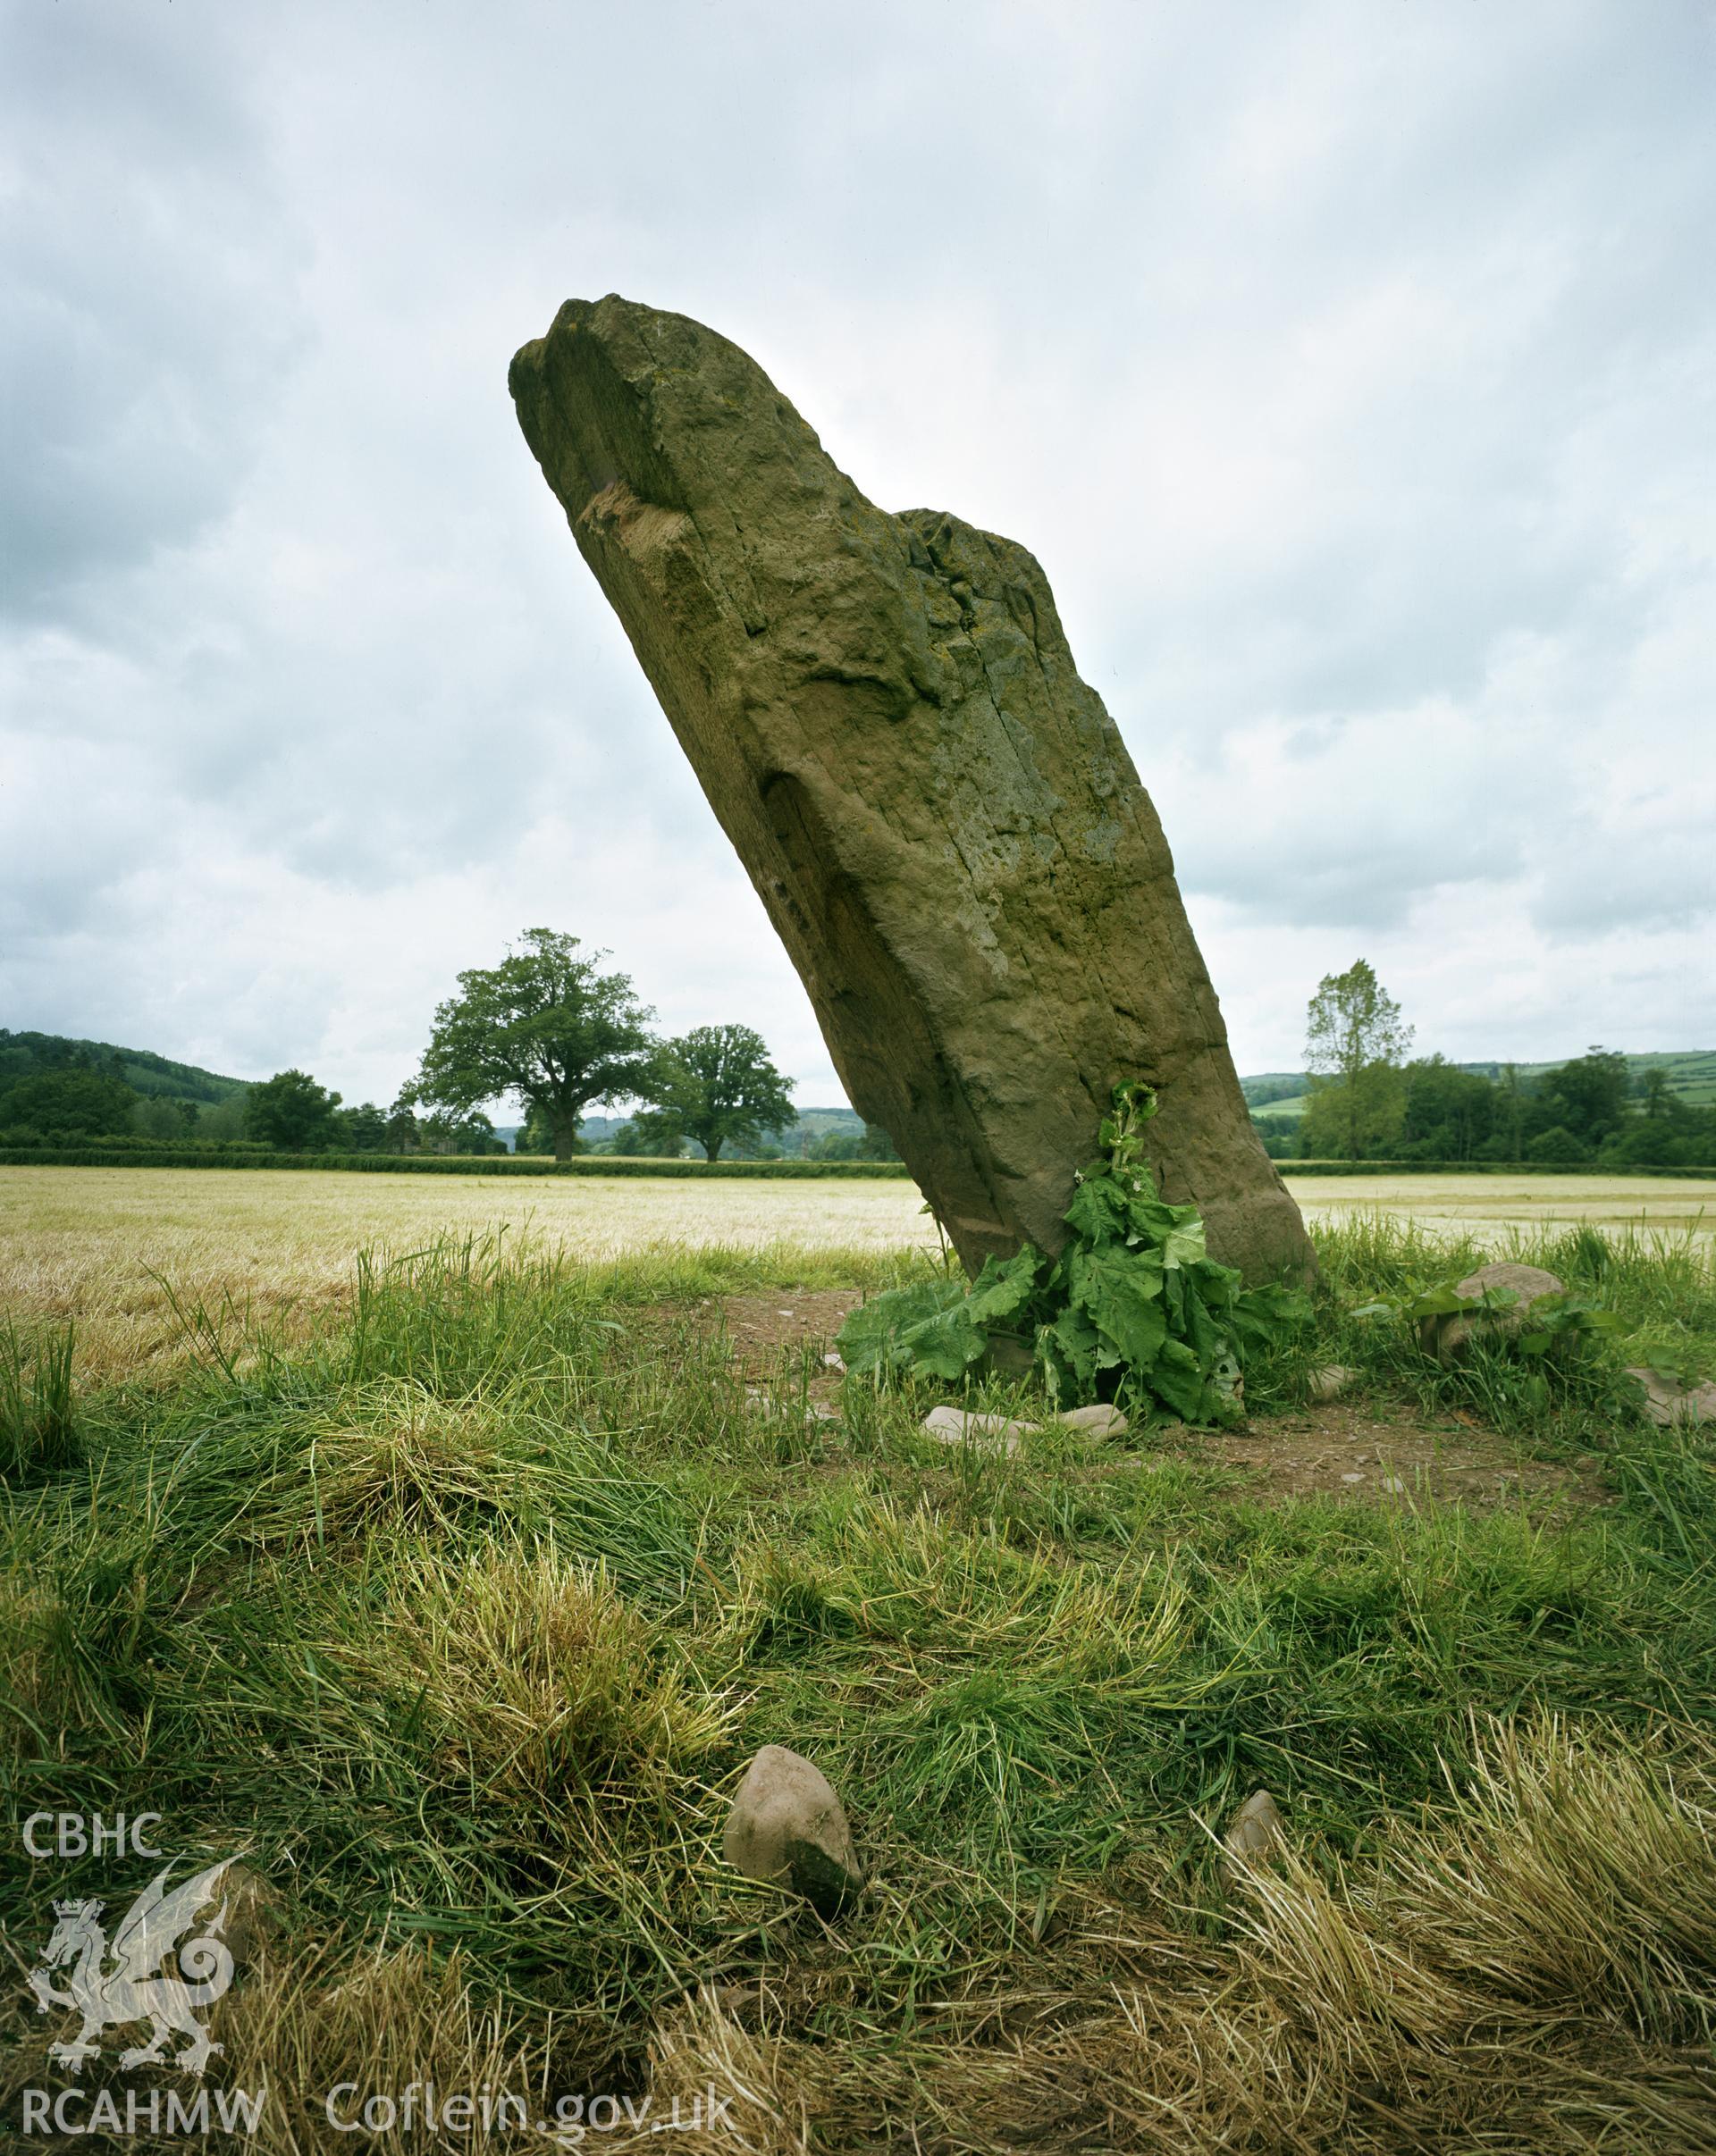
[940,815]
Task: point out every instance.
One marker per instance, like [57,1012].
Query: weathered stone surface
[1256,1828]
[1667,1403]
[788,1827]
[940,815]
[1330,1382]
[1002,1433]
[989,1434]
[1102,1420]
[1445,1335]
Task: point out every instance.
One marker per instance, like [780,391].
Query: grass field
[98,1247]
[458,1594]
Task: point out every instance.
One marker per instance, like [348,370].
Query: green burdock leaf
[1100,1211]
[1179,1381]
[1183,1244]
[944,1346]
[1120,1291]
[1002,1291]
[1076,1345]
[872,1341]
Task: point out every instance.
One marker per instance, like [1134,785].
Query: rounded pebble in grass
[1102,1420]
[788,1828]
[1256,1828]
[1394,1484]
[987,1433]
[1352,1477]
[1446,1334]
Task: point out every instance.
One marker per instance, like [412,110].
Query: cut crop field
[1496,1205]
[456,1594]
[100,1246]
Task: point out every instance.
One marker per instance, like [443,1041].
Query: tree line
[547,1028]
[1369,1100]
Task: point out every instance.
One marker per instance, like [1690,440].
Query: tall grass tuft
[38,1417]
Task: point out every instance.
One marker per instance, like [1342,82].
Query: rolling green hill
[155,1077]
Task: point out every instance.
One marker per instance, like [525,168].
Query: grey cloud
[1350,376]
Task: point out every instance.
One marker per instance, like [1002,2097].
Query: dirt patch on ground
[1363,1450]
[1373,1452]
[760,1327]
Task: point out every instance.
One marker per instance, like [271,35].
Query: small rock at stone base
[1009,1356]
[788,1828]
[1330,1382]
[1103,1420]
[1444,1334]
[989,1433]
[1667,1403]
[833,1361]
[1256,1828]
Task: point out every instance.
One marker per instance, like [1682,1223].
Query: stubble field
[102,1247]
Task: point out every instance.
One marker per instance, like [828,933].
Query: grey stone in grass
[989,1434]
[1330,1382]
[1444,1334]
[1103,1420]
[788,1828]
[1668,1403]
[1002,1433]
[1254,1830]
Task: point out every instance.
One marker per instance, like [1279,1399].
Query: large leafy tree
[718,1084]
[1587,1097]
[291,1112]
[72,1102]
[1355,1044]
[546,1027]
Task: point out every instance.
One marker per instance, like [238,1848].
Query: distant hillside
[1282,1094]
[155,1077]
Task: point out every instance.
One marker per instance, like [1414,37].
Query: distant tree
[720,1083]
[291,1112]
[534,1136]
[1658,1095]
[1449,1113]
[870,1143]
[402,1135]
[1354,1045]
[361,1129]
[160,1118]
[657,1133]
[1507,1137]
[72,1101]
[544,1026]
[1587,1097]
[1556,1143]
[444,1132]
[220,1122]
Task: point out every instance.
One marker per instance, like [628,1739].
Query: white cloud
[1351,373]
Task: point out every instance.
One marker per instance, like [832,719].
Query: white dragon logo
[135,1988]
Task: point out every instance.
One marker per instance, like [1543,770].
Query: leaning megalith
[940,815]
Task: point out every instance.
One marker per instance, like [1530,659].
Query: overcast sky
[1349,368]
